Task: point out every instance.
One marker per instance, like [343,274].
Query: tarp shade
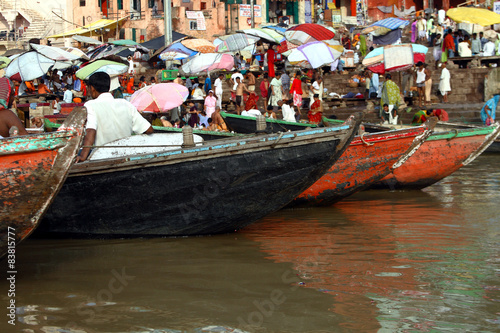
[103,23]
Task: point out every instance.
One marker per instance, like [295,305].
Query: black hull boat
[212,188]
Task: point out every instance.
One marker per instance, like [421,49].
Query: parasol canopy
[4,61]
[159,97]
[382,27]
[236,42]
[54,53]
[77,52]
[317,54]
[199,45]
[473,15]
[111,67]
[392,58]
[308,32]
[268,34]
[28,66]
[176,51]
[205,62]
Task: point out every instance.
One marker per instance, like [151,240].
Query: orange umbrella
[199,44]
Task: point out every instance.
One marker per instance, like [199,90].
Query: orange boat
[441,154]
[369,158]
[32,170]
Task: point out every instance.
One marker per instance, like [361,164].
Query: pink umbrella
[308,32]
[159,97]
[208,62]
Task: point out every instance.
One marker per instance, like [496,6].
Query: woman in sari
[276,91]
[390,93]
[316,113]
[414,31]
[489,109]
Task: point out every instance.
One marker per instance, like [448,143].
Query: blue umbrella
[384,26]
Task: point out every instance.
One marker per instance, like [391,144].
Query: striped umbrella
[28,66]
[382,27]
[308,32]
[235,42]
[317,54]
[392,58]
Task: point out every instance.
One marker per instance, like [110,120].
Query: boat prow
[32,171]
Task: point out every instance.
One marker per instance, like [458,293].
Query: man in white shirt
[218,89]
[68,95]
[109,119]
[489,49]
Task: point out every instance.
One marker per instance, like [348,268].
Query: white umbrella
[28,66]
[54,53]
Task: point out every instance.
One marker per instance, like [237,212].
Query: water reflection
[378,262]
[400,260]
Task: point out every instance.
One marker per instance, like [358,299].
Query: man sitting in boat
[217,120]
[8,119]
[109,119]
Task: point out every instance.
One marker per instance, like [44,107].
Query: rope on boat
[277,140]
[453,137]
[366,143]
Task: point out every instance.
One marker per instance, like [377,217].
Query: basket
[353,84]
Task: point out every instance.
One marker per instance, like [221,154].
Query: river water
[405,261]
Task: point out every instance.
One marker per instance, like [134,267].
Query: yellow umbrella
[472,15]
[199,44]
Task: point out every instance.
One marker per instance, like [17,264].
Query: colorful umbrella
[276,28]
[473,15]
[130,44]
[286,46]
[392,58]
[235,42]
[199,45]
[308,32]
[111,67]
[54,53]
[317,54]
[208,62]
[28,66]
[382,27]
[176,51]
[264,33]
[159,97]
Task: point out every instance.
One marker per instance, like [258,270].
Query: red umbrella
[308,32]
[286,46]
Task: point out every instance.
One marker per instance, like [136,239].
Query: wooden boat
[441,154]
[32,171]
[218,187]
[246,125]
[369,158]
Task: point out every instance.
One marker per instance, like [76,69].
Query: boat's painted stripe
[269,120]
[460,133]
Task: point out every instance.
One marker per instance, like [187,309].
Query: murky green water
[416,261]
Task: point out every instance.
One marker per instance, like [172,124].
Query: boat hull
[441,154]
[32,170]
[247,125]
[367,160]
[210,190]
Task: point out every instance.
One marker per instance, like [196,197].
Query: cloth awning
[85,30]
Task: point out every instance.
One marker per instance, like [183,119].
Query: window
[82,3]
[120,4]
[203,6]
[193,25]
[151,3]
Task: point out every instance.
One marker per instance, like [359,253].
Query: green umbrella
[111,67]
[124,42]
[4,61]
